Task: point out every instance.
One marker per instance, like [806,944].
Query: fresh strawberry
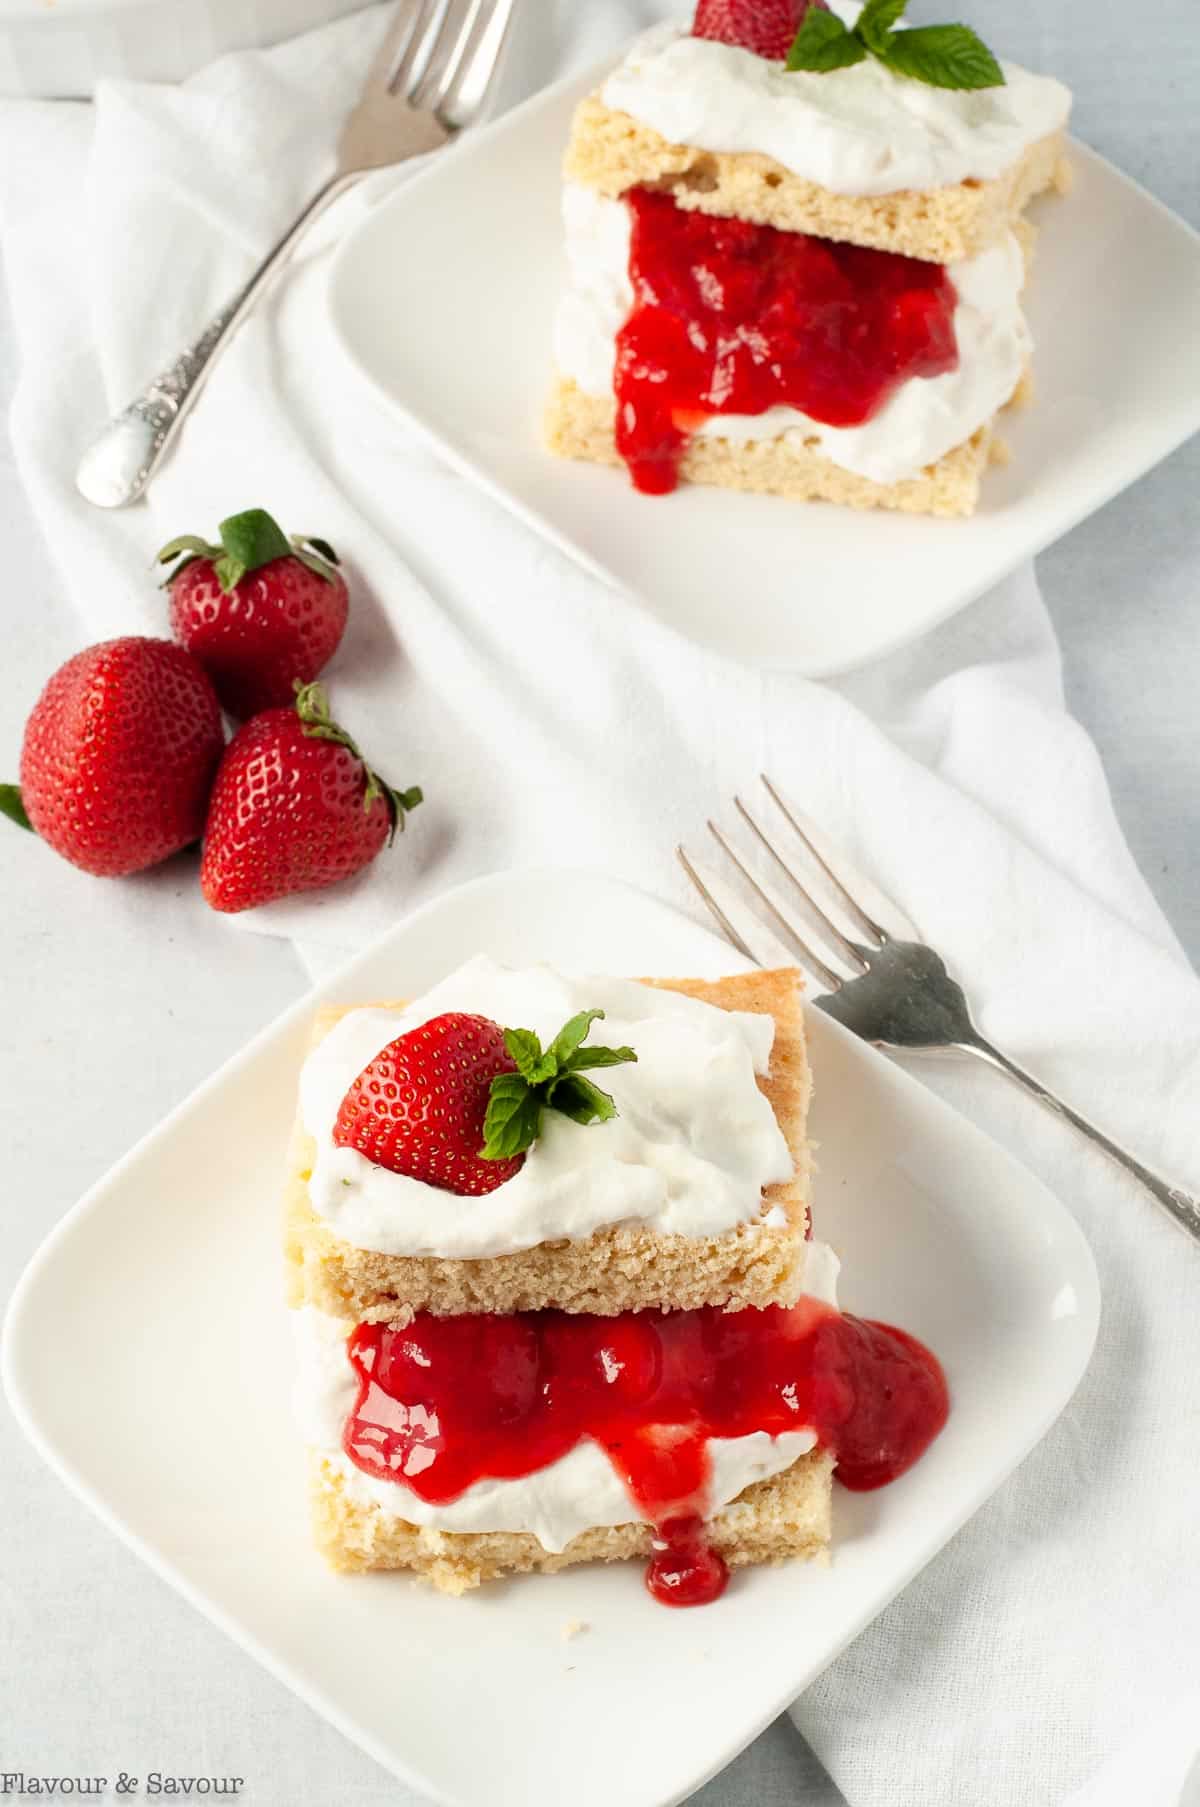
[456,1102]
[119,756]
[767,27]
[294,807]
[419,1107]
[261,612]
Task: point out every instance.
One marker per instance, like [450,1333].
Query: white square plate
[173,1424]
[444,300]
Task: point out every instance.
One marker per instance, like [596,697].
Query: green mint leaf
[580,1100]
[12,806]
[525,1047]
[570,1035]
[552,1078]
[513,1118]
[249,540]
[943,56]
[876,20]
[599,1057]
[823,43]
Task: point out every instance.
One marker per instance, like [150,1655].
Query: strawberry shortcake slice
[796,253]
[555,1294]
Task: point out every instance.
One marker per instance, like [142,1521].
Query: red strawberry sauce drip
[446,1402]
[733,318]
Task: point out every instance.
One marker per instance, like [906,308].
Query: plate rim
[816,666]
[312,1694]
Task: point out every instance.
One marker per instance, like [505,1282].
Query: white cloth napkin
[550,722]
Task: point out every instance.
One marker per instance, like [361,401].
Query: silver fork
[897,992]
[430,78]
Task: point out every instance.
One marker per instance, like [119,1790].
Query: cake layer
[610,151]
[627,1267]
[785,1517]
[581,426]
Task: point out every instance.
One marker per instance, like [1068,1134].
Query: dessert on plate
[556,1297]
[796,251]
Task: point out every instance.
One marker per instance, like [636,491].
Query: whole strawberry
[261,612]
[294,807]
[766,27]
[119,756]
[457,1101]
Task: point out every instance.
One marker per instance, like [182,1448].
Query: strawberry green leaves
[12,805]
[942,56]
[312,706]
[547,1079]
[247,542]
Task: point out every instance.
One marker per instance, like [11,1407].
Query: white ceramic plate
[147,1356]
[444,300]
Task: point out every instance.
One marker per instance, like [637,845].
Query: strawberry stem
[312,706]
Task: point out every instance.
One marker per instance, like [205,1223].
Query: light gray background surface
[102,1667]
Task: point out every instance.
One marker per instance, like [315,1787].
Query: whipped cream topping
[690,1151]
[920,422]
[579,1492]
[858,131]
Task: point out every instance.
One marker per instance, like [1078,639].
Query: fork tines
[793,911]
[440,55]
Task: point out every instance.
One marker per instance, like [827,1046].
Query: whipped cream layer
[922,420]
[579,1492]
[859,131]
[692,1146]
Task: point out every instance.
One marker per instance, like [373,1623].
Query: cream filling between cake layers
[856,131]
[691,1149]
[581,1491]
[922,420]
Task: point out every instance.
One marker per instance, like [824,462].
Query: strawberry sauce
[447,1402]
[733,318]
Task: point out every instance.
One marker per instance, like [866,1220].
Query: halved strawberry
[767,27]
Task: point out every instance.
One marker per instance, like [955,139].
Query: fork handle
[1174,1200]
[119,464]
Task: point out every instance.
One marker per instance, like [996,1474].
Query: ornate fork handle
[119,464]
[1181,1205]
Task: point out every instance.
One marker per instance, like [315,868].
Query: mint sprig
[942,56]
[547,1079]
